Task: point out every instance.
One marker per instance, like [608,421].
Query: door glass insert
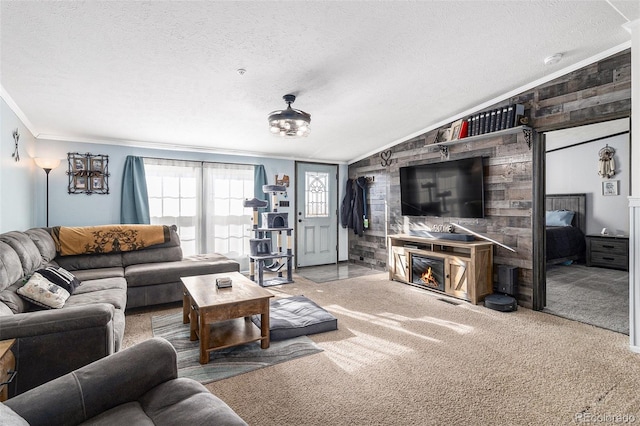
[317,194]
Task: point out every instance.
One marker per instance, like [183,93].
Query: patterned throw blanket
[107,238]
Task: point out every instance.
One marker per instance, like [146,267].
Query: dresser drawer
[610,246]
[610,260]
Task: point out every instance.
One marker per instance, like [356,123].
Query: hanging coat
[359,206]
[346,209]
[362,184]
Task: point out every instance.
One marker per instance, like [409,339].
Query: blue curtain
[259,179]
[134,207]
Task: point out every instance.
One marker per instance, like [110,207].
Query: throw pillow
[43,292]
[559,217]
[61,277]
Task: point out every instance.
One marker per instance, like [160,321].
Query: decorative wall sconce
[16,139]
[88,173]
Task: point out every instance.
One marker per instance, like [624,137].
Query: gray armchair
[138,385]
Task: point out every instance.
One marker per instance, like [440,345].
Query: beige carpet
[401,356]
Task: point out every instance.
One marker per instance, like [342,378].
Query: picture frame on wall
[79,164]
[80,182]
[97,165]
[97,183]
[610,187]
[88,173]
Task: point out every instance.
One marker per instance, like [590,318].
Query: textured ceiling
[371,74]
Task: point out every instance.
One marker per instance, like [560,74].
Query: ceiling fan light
[289,122]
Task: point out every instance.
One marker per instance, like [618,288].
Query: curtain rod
[199,161]
[589,141]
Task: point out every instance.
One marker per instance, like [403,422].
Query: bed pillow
[43,292]
[560,217]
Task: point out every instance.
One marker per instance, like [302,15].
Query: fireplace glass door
[427,271]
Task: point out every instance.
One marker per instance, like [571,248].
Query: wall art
[88,173]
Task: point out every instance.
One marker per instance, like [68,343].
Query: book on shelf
[514,112]
[481,121]
[492,121]
[503,123]
[498,119]
[487,121]
[518,113]
[464,129]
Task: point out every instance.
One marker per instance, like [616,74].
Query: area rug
[225,362]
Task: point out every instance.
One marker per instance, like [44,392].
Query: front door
[316,214]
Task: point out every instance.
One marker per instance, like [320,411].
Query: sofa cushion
[90,261]
[5,310]
[165,252]
[109,283]
[107,290]
[130,413]
[183,398]
[168,272]
[26,249]
[9,417]
[43,292]
[96,274]
[10,266]
[10,297]
[60,276]
[152,255]
[42,239]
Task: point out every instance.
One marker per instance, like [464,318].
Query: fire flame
[428,278]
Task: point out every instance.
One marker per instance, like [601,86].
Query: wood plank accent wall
[595,93]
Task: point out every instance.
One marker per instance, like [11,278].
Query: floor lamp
[47,164]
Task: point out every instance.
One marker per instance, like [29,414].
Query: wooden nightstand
[7,367]
[608,251]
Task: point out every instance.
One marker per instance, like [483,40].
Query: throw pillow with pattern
[43,292]
[61,277]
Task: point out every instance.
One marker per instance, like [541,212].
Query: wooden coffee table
[221,317]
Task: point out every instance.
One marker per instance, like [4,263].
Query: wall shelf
[444,146]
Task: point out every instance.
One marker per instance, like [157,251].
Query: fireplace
[427,271]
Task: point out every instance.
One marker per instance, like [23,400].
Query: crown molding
[13,106]
[171,147]
[602,55]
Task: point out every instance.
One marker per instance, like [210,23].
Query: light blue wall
[18,203]
[23,184]
[80,209]
[99,209]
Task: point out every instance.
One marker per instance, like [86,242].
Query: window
[316,187]
[205,201]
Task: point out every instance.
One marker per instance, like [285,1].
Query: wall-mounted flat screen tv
[445,189]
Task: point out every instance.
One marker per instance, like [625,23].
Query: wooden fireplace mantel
[468,266]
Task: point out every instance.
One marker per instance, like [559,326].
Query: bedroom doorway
[585,272]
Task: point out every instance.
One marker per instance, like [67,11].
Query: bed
[566,243]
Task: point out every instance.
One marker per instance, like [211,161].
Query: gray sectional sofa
[90,325]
